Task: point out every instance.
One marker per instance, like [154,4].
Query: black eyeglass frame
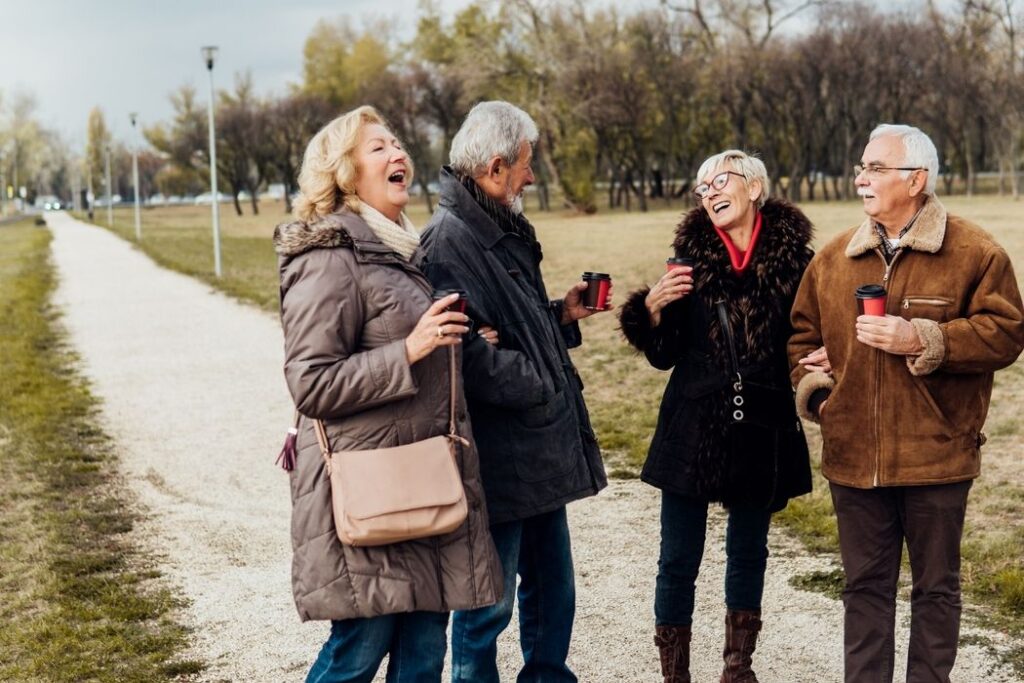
[861,168]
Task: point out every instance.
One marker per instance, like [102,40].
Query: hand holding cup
[676,283]
[592,294]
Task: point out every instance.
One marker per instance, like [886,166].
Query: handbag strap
[730,341]
[321,431]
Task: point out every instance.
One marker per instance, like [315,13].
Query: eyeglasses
[718,182]
[874,170]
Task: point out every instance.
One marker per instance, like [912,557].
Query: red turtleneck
[740,259]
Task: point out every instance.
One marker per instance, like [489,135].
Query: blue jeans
[538,550]
[415,641]
[683,528]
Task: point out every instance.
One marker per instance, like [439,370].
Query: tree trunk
[238,205]
[422,182]
[254,200]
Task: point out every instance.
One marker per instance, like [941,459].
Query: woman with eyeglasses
[748,254]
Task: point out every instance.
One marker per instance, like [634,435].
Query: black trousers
[873,525]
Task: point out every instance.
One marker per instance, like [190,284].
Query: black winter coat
[690,453]
[537,447]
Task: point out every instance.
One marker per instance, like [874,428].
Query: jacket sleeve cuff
[809,385]
[571,334]
[635,320]
[934,352]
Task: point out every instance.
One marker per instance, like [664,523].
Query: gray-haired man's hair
[491,129]
[919,150]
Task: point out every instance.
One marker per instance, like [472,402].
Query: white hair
[747,165]
[491,129]
[918,150]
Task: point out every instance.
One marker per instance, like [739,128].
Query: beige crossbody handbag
[388,495]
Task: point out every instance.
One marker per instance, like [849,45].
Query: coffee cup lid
[442,293]
[870,291]
[596,276]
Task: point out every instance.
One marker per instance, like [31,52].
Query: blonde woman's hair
[747,165]
[328,175]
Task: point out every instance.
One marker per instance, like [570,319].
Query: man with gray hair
[537,447]
[899,325]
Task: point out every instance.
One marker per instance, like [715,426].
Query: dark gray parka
[537,447]
[347,304]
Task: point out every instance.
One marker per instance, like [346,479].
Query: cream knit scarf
[402,238]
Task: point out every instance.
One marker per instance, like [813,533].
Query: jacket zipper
[925,301]
[879,368]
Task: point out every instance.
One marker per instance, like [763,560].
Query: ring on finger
[440,331]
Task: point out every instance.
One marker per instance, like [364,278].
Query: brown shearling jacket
[908,420]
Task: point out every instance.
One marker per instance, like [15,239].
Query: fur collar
[339,229]
[926,234]
[757,301]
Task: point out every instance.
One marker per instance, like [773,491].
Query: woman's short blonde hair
[747,165]
[329,172]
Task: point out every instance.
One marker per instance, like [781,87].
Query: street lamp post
[110,191]
[3,187]
[209,52]
[135,176]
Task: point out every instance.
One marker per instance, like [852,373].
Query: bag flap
[386,480]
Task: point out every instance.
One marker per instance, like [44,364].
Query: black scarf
[504,217]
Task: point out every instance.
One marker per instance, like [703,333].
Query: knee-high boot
[674,647]
[741,629]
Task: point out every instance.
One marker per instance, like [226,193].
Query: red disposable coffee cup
[871,300]
[459,305]
[678,262]
[596,296]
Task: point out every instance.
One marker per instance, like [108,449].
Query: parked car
[207,198]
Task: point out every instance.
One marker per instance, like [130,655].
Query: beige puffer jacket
[347,304]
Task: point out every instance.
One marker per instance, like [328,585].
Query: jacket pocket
[544,441]
[930,306]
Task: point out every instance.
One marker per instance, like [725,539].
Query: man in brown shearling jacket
[902,398]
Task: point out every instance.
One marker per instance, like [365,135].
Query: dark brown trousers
[873,524]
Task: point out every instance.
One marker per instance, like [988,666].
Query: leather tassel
[286,459]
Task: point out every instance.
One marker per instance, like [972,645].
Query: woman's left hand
[489,334]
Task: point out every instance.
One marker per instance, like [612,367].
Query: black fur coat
[691,453]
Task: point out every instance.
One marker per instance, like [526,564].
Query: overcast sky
[124,55]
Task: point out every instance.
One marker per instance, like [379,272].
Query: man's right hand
[673,285]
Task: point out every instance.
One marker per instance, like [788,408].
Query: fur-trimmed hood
[297,237]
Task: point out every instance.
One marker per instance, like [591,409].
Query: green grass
[829,583]
[623,392]
[77,603]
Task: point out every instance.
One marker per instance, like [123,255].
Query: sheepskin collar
[925,235]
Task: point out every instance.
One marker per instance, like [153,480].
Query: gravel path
[194,396]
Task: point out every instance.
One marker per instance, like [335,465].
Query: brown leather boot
[741,629]
[674,646]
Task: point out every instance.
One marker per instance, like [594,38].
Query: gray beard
[515,204]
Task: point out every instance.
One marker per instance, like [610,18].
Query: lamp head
[209,52]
